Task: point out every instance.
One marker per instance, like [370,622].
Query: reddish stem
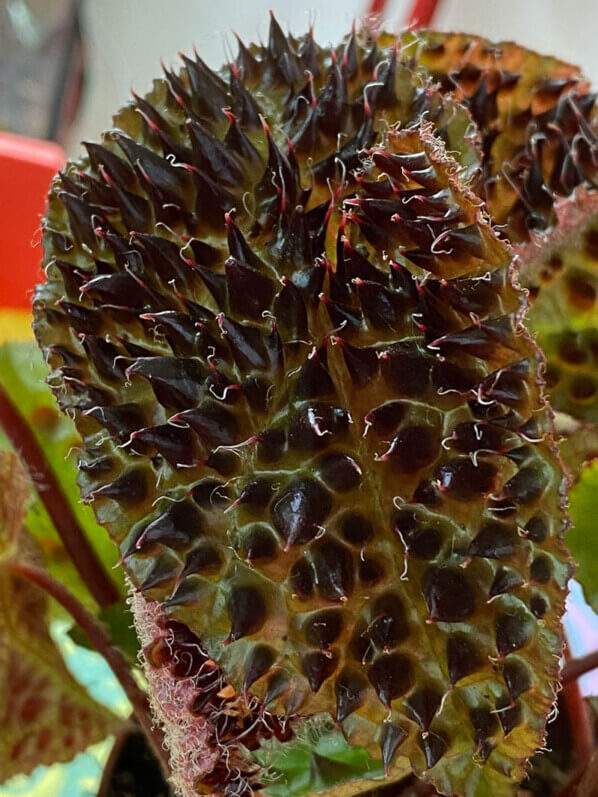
[57,506]
[422,13]
[377,6]
[103,644]
[574,668]
[580,720]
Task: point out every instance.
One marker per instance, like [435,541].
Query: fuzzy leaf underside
[315,426]
[46,716]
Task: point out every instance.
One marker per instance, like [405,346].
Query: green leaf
[317,760]
[45,714]
[583,537]
[23,373]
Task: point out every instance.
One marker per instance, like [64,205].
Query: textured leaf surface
[314,426]
[46,716]
[562,276]
[537,121]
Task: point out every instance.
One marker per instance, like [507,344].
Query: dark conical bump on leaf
[311,418]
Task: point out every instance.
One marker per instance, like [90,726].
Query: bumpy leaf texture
[46,716]
[539,149]
[312,419]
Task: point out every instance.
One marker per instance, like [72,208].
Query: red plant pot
[26,168]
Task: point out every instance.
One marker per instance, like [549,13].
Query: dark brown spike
[165,257]
[120,420]
[463,657]
[349,61]
[385,95]
[155,170]
[495,540]
[513,630]
[299,511]
[166,568]
[137,213]
[179,330]
[211,156]
[238,246]
[391,738]
[257,494]
[119,289]
[239,143]
[391,676]
[81,217]
[259,660]
[301,579]
[176,381]
[389,623]
[290,312]
[359,267]
[517,677]
[293,248]
[130,488]
[83,319]
[317,667]
[277,191]
[247,612]
[382,308]
[323,628]
[505,580]
[484,721]
[258,544]
[314,381]
[177,89]
[335,569]
[97,466]
[215,282]
[244,107]
[309,54]
[434,746]
[204,560]
[250,293]
[332,101]
[349,688]
[175,444]
[348,154]
[345,318]
[104,356]
[422,705]
[178,528]
[213,201]
[448,594]
[339,471]
[362,363]
[463,480]
[281,54]
[208,91]
[356,529]
[278,683]
[214,424]
[103,159]
[249,67]
[314,423]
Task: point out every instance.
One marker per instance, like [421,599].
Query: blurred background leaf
[583,537]
[46,716]
[23,373]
